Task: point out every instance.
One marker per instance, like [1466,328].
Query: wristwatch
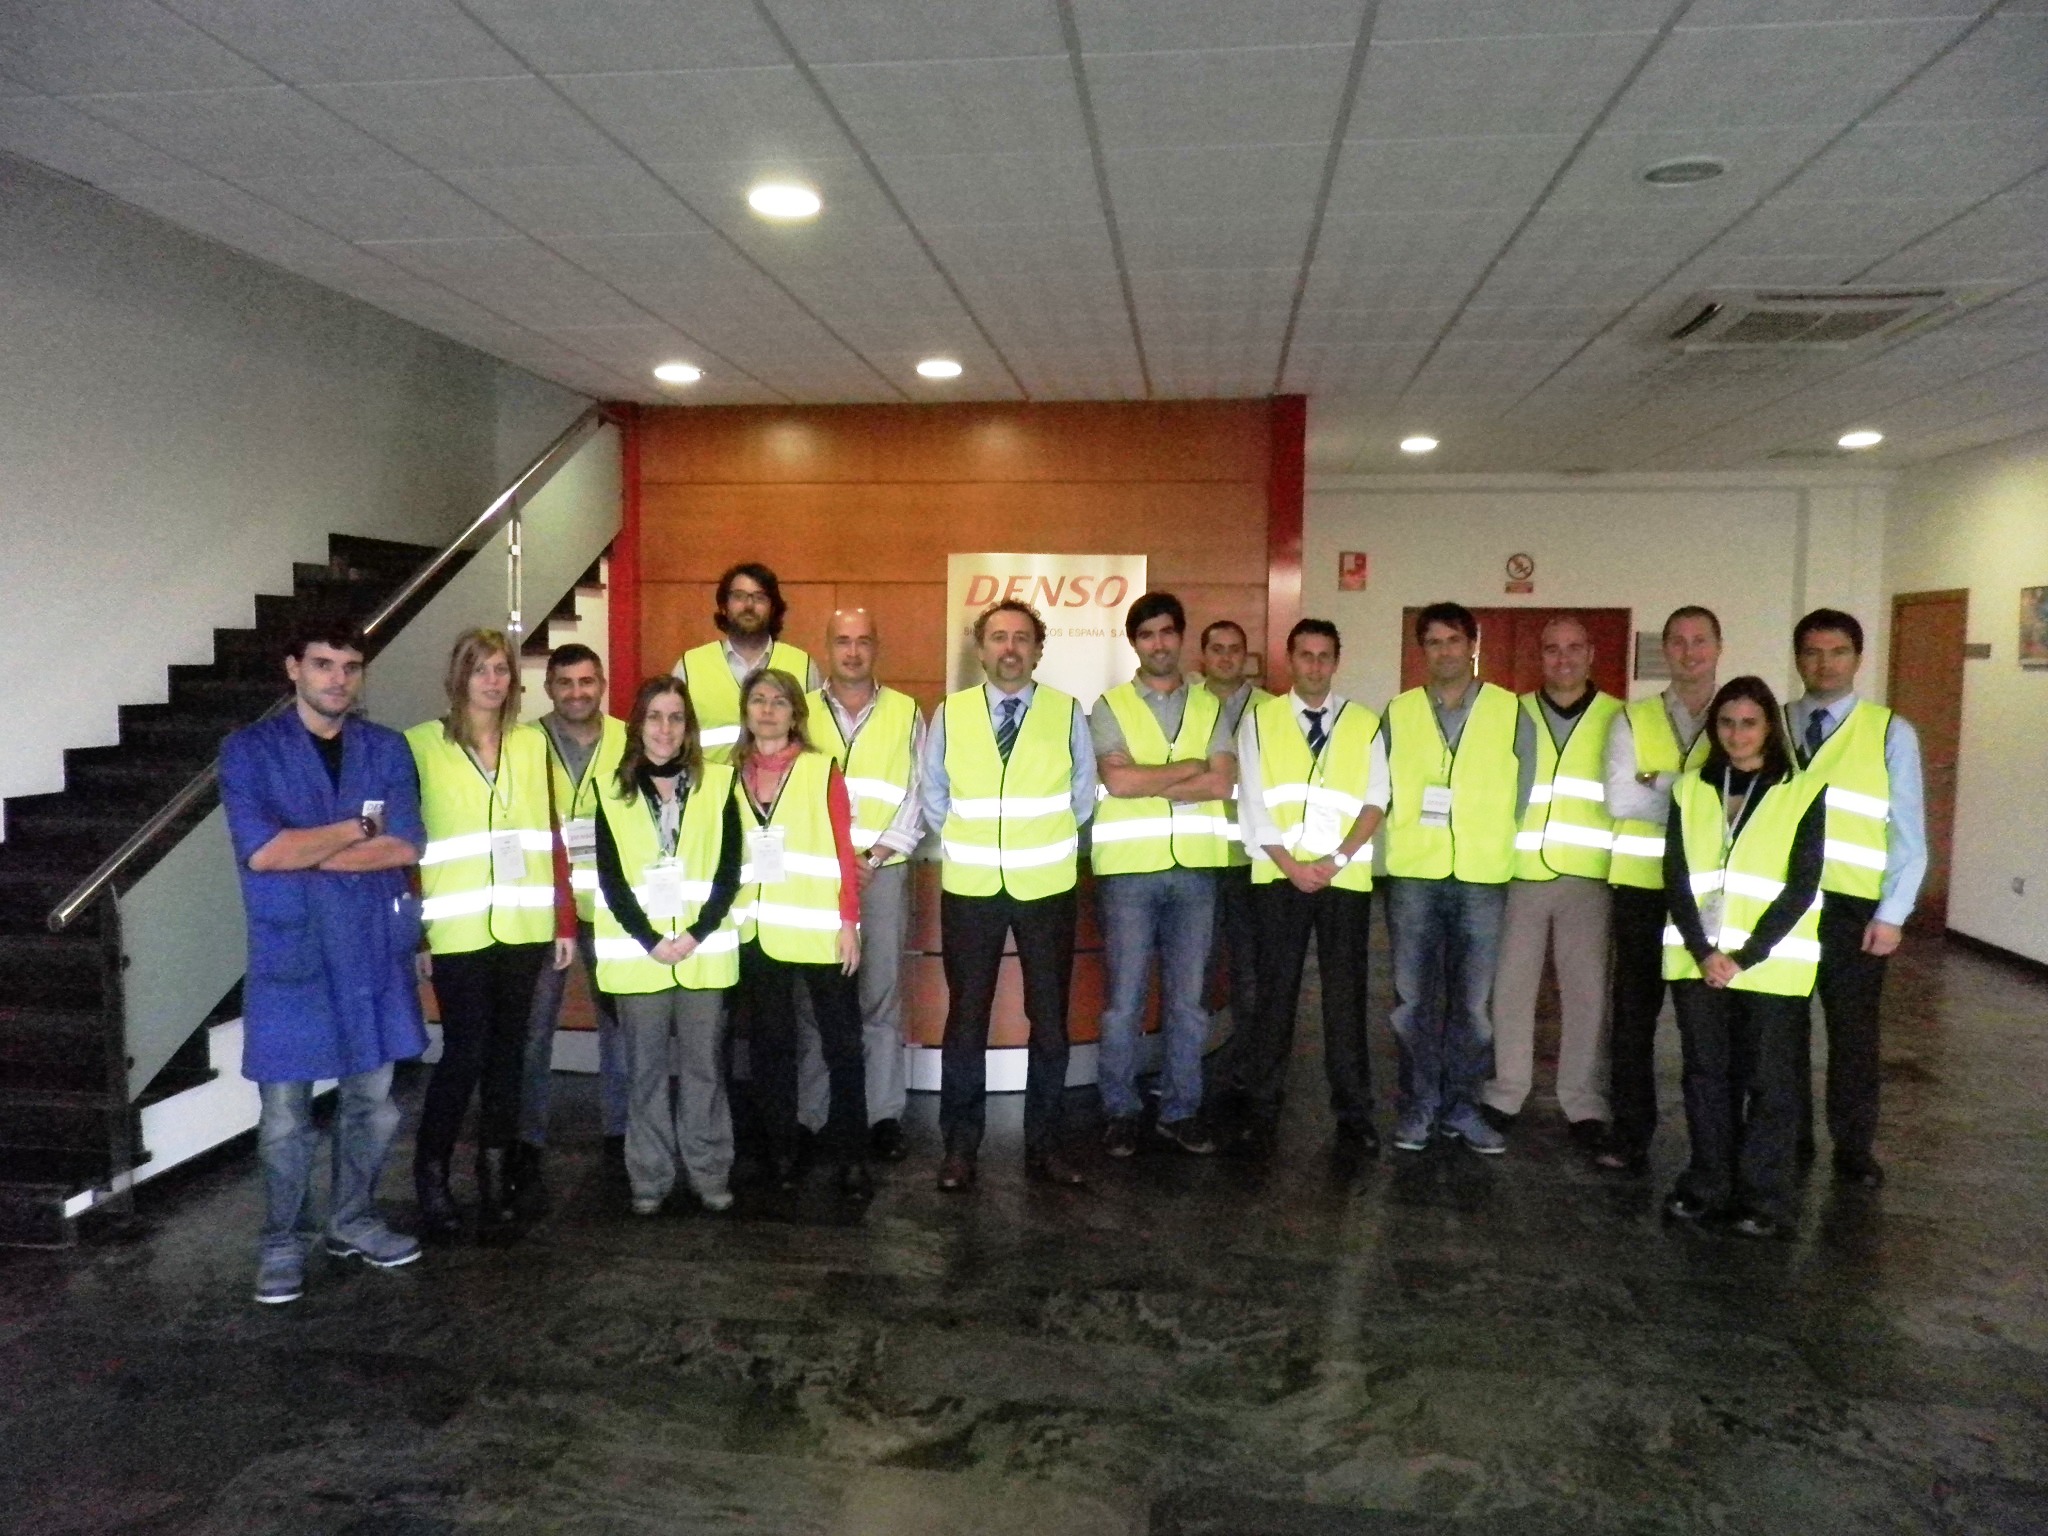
[1340,859]
[368,824]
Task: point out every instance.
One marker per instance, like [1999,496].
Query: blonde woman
[497,906]
[799,925]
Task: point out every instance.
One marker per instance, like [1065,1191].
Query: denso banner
[1082,599]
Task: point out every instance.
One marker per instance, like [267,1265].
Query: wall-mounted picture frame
[2033,647]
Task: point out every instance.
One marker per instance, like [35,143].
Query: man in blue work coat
[324,811]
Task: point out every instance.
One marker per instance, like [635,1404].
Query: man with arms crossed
[323,810]
[750,614]
[1651,743]
[876,735]
[1166,761]
[1009,778]
[1876,859]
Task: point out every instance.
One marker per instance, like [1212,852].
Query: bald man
[876,735]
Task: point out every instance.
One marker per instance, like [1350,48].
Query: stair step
[58,1120]
[176,735]
[53,1048]
[172,1081]
[51,971]
[92,830]
[243,698]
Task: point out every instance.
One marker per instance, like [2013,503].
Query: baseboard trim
[2038,969]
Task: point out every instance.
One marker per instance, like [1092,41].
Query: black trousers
[1237,940]
[1341,923]
[1742,1129]
[486,998]
[1637,929]
[972,930]
[768,987]
[1850,989]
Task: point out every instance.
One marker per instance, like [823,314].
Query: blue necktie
[1006,728]
[1816,728]
[1316,734]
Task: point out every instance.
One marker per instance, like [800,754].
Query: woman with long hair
[668,870]
[1742,863]
[497,905]
[800,925]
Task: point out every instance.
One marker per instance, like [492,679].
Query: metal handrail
[528,484]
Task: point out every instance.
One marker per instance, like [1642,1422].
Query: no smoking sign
[1521,574]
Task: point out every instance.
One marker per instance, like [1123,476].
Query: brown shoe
[956,1172]
[1051,1168]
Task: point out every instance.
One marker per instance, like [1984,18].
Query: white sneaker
[647,1205]
[717,1200]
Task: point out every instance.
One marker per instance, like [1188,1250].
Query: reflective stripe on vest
[1234,855]
[576,805]
[1010,826]
[877,766]
[623,966]
[1149,833]
[715,692]
[1295,784]
[1566,829]
[1859,799]
[795,918]
[464,901]
[1478,846]
[1747,883]
[1638,858]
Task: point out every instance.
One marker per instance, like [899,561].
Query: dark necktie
[1006,728]
[1816,727]
[1316,734]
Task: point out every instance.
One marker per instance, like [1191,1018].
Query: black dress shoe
[529,1187]
[1589,1136]
[1756,1224]
[1120,1137]
[1051,1168]
[856,1184]
[956,1172]
[497,1212]
[1859,1170]
[1358,1138]
[785,1171]
[1499,1119]
[886,1143]
[439,1220]
[1629,1162]
[1680,1206]
[1254,1141]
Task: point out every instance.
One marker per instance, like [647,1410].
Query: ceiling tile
[994,188]
[1565,234]
[1904,159]
[1152,244]
[1864,231]
[234,217]
[612,36]
[1739,13]
[269,131]
[579,200]
[415,206]
[1340,288]
[63,46]
[2004,238]
[959,107]
[1519,85]
[65,139]
[1233,96]
[1144,26]
[1210,291]
[969,251]
[462,124]
[1266,180]
[356,40]
[1428,20]
[1314,368]
[1427,175]
[833,32]
[1822,74]
[762,115]
[718,190]
[1995,73]
[1593,280]
[1608,172]
[517,278]
[1460,240]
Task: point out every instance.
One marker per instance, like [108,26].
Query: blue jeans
[1170,914]
[1446,938]
[365,1120]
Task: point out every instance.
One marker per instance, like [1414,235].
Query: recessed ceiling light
[783,200]
[939,368]
[1863,438]
[678,373]
[1684,171]
[1418,444]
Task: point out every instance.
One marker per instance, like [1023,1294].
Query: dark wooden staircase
[68,1123]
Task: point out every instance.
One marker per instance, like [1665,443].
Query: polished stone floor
[1434,1343]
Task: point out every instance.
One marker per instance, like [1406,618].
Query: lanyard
[668,817]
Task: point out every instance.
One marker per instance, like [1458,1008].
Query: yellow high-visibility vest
[1010,826]
[1566,829]
[1234,856]
[1859,799]
[1149,833]
[623,966]
[796,917]
[1310,796]
[1747,878]
[1477,842]
[576,805]
[715,692]
[1638,858]
[877,765]
[487,874]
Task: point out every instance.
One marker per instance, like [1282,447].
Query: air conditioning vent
[1735,319]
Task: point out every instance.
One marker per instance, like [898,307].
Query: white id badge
[664,891]
[1322,829]
[764,851]
[580,836]
[1436,805]
[1710,917]
[373,812]
[508,859]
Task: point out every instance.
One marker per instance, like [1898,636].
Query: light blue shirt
[1905,832]
[938,790]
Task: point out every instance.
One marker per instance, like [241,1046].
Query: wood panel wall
[862,504]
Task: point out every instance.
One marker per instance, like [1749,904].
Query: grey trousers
[1567,916]
[884,925]
[679,1118]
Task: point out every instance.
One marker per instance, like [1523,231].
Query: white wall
[1980,520]
[178,424]
[1758,550]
